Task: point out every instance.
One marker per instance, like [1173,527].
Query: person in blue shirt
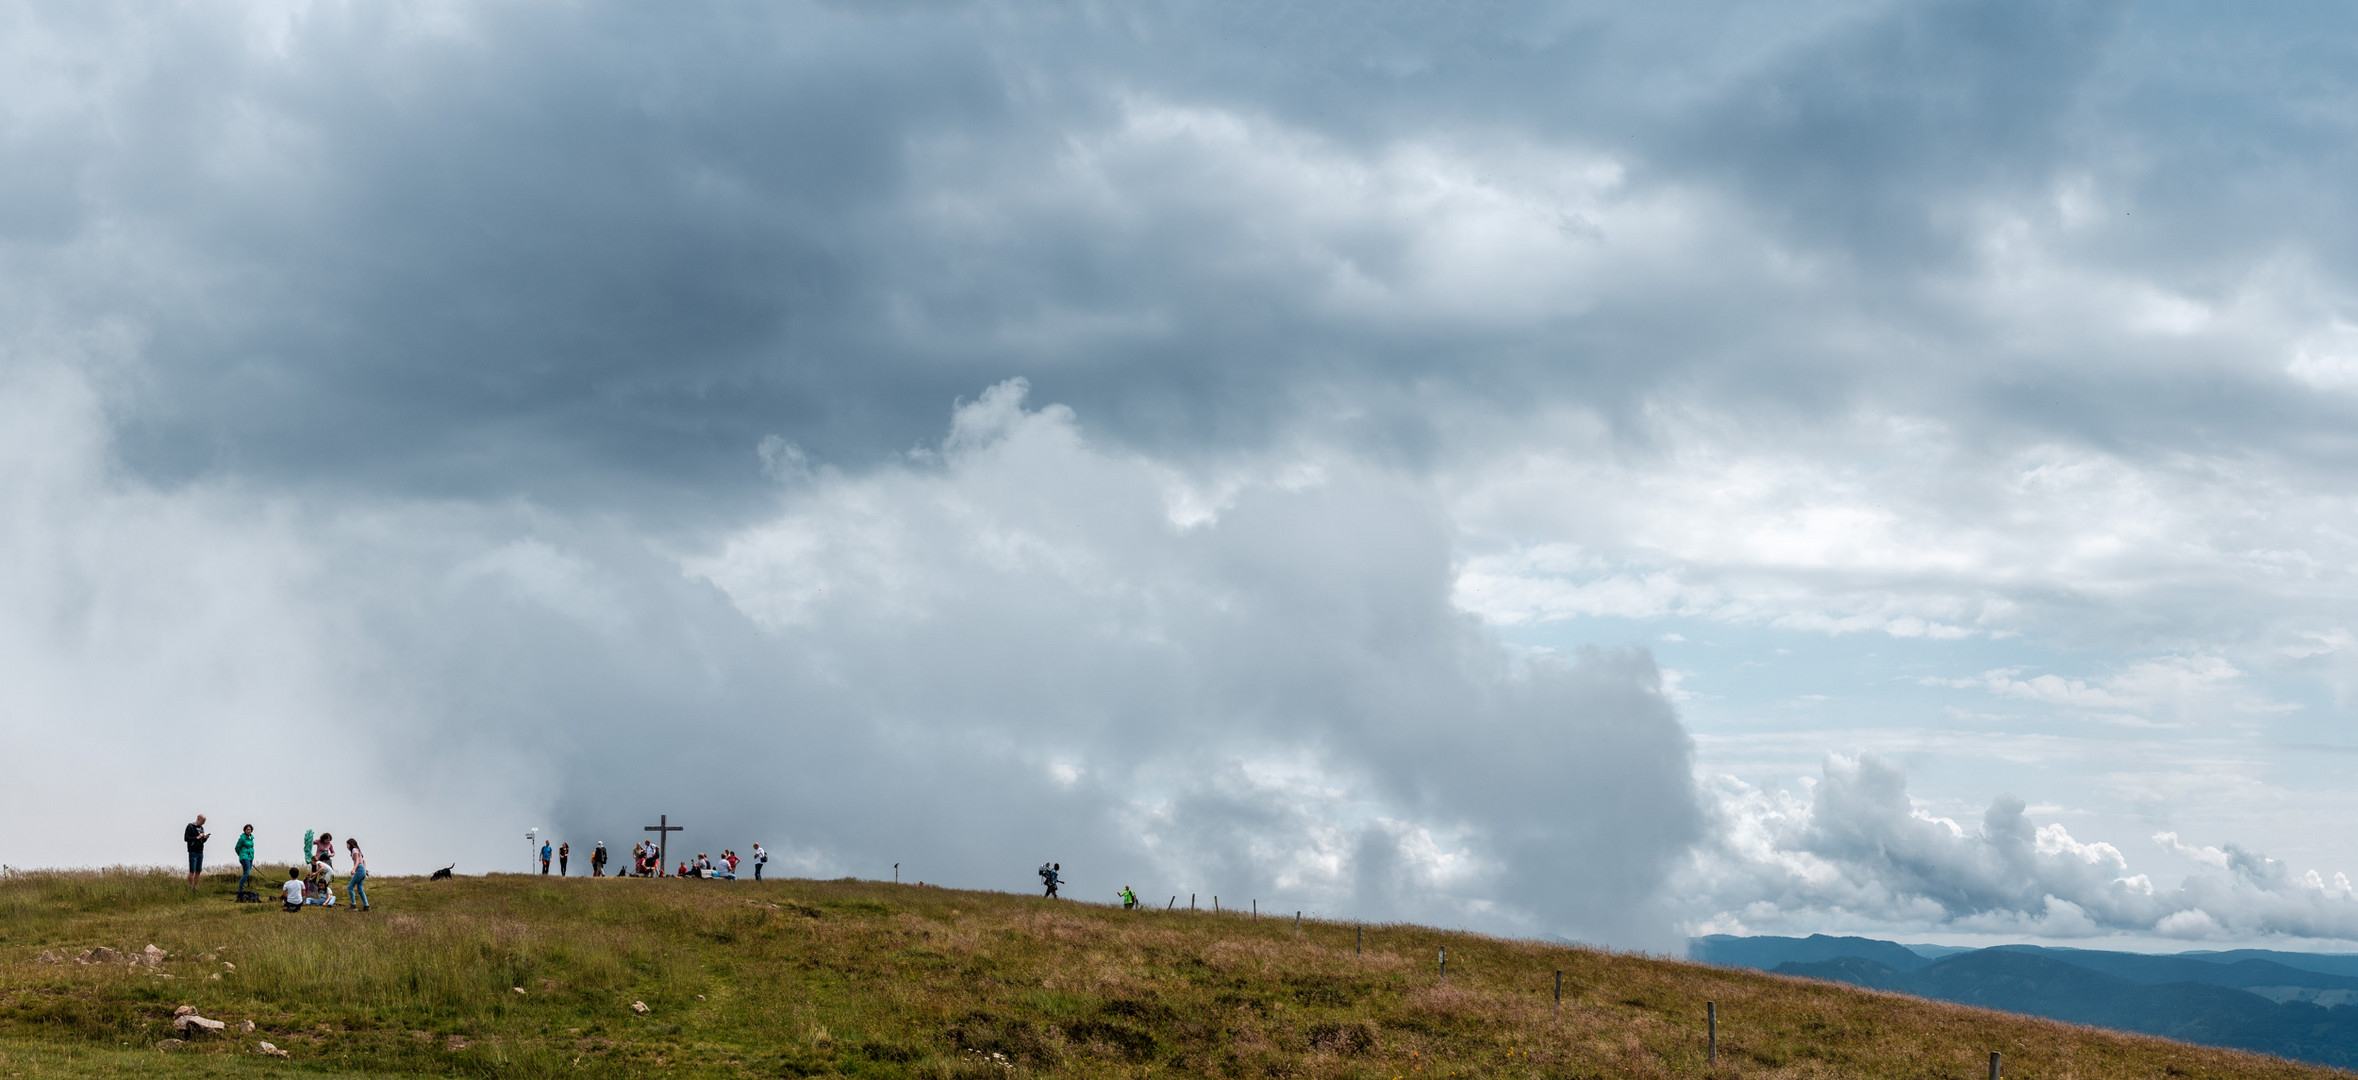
[545,852]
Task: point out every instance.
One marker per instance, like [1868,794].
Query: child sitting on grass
[317,887]
[293,889]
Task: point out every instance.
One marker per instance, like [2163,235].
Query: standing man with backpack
[196,836]
[760,858]
[598,860]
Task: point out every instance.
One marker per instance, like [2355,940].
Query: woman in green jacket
[245,857]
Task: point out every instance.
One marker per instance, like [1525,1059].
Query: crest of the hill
[520,976]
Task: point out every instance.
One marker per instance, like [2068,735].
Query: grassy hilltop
[806,978]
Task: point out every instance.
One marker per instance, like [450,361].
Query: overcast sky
[1607,471]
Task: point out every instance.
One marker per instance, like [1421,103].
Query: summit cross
[663,831]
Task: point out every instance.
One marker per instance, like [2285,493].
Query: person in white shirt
[759,857]
[357,888]
[293,889]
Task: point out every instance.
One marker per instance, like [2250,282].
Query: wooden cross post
[663,833]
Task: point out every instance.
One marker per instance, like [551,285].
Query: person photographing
[196,836]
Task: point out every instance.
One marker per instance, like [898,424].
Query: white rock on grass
[266,1048]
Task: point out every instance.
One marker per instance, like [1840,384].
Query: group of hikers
[309,884]
[646,860]
[315,888]
[1052,875]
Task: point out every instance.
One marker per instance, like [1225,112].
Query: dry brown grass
[862,979]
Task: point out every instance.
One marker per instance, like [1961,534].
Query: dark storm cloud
[550,249]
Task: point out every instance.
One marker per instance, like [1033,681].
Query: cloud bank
[1010,646]
[1858,854]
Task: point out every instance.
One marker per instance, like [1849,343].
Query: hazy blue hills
[2297,1005]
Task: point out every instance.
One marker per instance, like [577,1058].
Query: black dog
[441,874]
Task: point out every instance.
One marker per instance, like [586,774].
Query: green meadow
[526,976]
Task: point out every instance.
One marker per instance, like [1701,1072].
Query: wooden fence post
[1711,1020]
[1993,1065]
[1559,991]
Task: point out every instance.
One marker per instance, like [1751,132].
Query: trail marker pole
[1174,902]
[1191,901]
[1359,940]
[1711,1026]
[1215,903]
[1993,1065]
[1445,964]
[1256,911]
[896,873]
[1297,924]
[1559,991]
[663,830]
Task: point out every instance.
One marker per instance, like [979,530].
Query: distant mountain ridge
[2297,1005]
